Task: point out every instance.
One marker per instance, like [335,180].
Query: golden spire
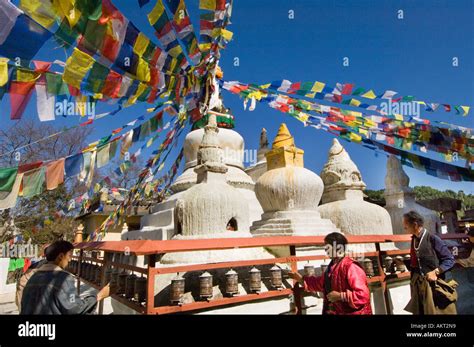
[283,138]
[284,152]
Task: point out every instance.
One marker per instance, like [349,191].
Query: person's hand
[334,296]
[432,276]
[296,276]
[104,292]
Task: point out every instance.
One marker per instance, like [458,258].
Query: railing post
[150,289]
[79,271]
[383,282]
[105,267]
[297,290]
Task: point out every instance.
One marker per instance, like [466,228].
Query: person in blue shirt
[429,262]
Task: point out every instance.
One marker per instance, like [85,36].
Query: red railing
[153,249]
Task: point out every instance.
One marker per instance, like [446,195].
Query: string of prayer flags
[321,90]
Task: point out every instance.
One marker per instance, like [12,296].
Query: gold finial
[283,138]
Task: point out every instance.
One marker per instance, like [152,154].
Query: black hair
[55,249]
[413,217]
[337,238]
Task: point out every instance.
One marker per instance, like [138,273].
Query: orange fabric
[54,174]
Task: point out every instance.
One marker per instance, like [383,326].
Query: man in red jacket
[344,282]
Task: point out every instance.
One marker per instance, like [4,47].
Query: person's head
[60,253]
[412,222]
[335,245]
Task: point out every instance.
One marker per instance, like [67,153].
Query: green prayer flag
[55,85]
[7,178]
[96,79]
[33,182]
[358,91]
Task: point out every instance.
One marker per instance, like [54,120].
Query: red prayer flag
[20,94]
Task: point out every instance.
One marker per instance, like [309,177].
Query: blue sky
[412,56]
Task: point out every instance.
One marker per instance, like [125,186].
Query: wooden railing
[153,250]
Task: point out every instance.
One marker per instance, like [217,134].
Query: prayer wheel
[122,277]
[255,280]
[98,274]
[85,270]
[205,285]
[114,281]
[139,291]
[108,275]
[177,289]
[231,282]
[407,258]
[275,277]
[309,270]
[400,264]
[368,267]
[130,286]
[388,262]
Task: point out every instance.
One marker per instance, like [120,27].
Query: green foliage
[426,193]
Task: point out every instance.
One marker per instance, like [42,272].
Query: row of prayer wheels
[397,264]
[231,284]
[122,283]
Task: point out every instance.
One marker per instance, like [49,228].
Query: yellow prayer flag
[407,144]
[133,99]
[77,66]
[141,44]
[156,13]
[363,132]
[3,71]
[207,5]
[398,116]
[317,87]
[40,10]
[149,142]
[143,70]
[67,8]
[265,86]
[23,75]
[464,108]
[355,137]
[369,95]
[448,157]
[204,46]
[355,102]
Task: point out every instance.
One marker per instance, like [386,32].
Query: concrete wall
[4,287]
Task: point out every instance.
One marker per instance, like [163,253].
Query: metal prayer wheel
[130,286]
[309,270]
[400,264]
[85,270]
[275,277]
[98,274]
[108,275]
[388,262]
[205,285]
[255,280]
[139,290]
[368,267]
[323,268]
[177,290]
[114,281]
[231,282]
[407,258]
[122,277]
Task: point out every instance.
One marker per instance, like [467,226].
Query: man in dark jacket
[430,260]
[51,290]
